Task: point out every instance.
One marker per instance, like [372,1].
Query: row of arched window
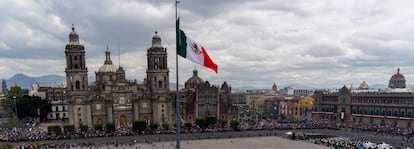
[383,112]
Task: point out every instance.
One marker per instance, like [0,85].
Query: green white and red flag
[192,50]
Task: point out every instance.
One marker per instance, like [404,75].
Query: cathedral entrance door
[99,122]
[122,120]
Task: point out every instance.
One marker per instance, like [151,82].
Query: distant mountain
[26,82]
[20,79]
[299,86]
[51,78]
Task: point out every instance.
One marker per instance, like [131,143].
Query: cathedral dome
[398,76]
[156,40]
[73,33]
[194,81]
[363,85]
[397,80]
[156,36]
[108,66]
[73,37]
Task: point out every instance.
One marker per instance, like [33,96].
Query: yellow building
[303,108]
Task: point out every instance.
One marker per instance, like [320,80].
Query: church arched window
[77,85]
[160,84]
[70,61]
[156,63]
[165,80]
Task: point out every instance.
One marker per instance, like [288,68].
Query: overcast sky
[318,43]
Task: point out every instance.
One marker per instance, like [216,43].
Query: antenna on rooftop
[119,54]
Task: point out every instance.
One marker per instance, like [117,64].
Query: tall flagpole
[177,96]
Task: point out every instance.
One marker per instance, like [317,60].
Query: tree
[99,127]
[234,124]
[56,129]
[283,116]
[28,106]
[14,95]
[201,122]
[211,120]
[165,126]
[139,125]
[188,125]
[110,127]
[44,108]
[68,129]
[83,128]
[153,126]
[222,123]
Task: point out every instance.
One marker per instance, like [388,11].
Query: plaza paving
[235,139]
[271,142]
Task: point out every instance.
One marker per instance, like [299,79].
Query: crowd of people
[89,145]
[22,134]
[377,128]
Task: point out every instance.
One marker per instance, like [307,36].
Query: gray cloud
[321,50]
[255,43]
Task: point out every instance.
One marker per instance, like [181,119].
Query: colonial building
[112,98]
[390,107]
[272,105]
[56,96]
[303,108]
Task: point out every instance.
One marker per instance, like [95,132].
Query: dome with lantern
[363,86]
[194,81]
[397,80]
[108,66]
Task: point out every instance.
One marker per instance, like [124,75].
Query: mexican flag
[193,51]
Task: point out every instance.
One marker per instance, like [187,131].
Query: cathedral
[200,99]
[114,99]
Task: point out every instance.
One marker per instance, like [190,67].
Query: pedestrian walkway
[234,143]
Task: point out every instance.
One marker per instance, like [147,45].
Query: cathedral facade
[200,99]
[112,98]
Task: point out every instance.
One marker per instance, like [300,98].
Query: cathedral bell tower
[158,81]
[157,71]
[76,72]
[76,80]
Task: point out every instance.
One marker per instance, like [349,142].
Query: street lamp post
[38,115]
[15,109]
[15,105]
